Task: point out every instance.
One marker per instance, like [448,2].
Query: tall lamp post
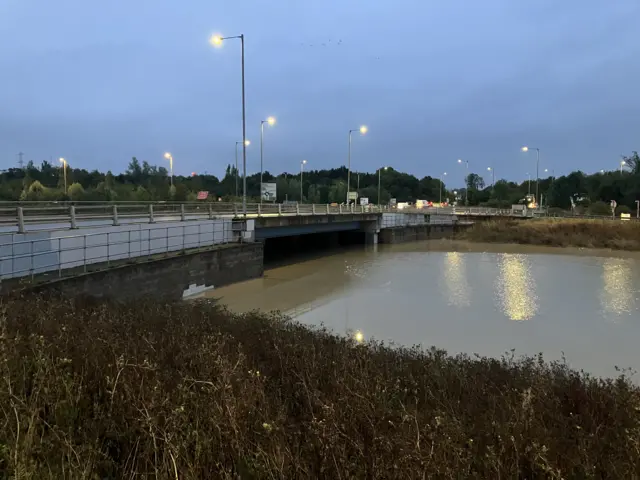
[64,169]
[493,176]
[622,164]
[526,149]
[363,130]
[216,41]
[302,164]
[169,157]
[443,175]
[466,187]
[269,121]
[379,182]
[247,143]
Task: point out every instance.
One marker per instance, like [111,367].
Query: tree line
[145,182]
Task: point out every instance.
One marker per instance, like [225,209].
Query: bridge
[45,242]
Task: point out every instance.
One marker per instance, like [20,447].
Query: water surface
[485,299]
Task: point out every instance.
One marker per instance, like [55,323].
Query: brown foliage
[190,391]
[615,235]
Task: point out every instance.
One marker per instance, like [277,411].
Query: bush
[99,390]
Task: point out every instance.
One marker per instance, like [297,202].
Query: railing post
[313,209]
[340,208]
[328,209]
[259,209]
[20,220]
[352,208]
[210,211]
[72,215]
[182,212]
[84,256]
[151,220]
[235,209]
[115,215]
[297,209]
[280,209]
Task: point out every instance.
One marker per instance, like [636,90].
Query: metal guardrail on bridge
[59,256]
[33,217]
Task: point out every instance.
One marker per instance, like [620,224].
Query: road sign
[202,195]
[393,202]
[269,192]
[364,201]
[352,196]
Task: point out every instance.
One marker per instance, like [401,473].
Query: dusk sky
[100,82]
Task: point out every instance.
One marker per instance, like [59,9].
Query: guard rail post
[151,220]
[210,211]
[115,215]
[280,209]
[313,209]
[72,215]
[20,220]
[182,212]
[328,209]
[259,209]
[297,209]
[340,210]
[235,209]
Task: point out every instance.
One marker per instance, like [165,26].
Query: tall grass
[616,235]
[97,390]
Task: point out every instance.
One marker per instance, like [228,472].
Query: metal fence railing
[54,256]
[26,217]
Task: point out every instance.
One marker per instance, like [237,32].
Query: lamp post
[169,157]
[270,121]
[64,169]
[529,182]
[622,164]
[526,149]
[363,130]
[443,175]
[379,181]
[493,176]
[216,41]
[302,163]
[466,187]
[637,208]
[247,143]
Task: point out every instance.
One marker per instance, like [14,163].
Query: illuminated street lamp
[302,164]
[379,179]
[526,149]
[216,41]
[363,130]
[443,175]
[246,143]
[64,169]
[269,121]
[622,164]
[169,157]
[466,187]
[493,176]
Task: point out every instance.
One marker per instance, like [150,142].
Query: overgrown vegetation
[189,391]
[565,232]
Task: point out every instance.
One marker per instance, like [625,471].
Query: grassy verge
[559,232]
[189,391]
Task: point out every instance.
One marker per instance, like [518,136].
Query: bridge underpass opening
[282,250]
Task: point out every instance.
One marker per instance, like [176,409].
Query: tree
[75,191]
[633,162]
[474,181]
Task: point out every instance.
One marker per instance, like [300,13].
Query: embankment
[615,235]
[185,390]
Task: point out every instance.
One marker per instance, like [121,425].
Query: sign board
[352,196]
[614,204]
[202,195]
[625,216]
[393,202]
[364,201]
[269,192]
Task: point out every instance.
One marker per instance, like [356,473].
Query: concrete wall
[165,279]
[43,251]
[416,232]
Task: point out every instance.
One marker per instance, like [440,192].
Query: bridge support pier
[371,230]
[371,238]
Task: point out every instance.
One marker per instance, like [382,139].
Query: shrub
[100,390]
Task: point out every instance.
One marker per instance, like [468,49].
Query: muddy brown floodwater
[462,297]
